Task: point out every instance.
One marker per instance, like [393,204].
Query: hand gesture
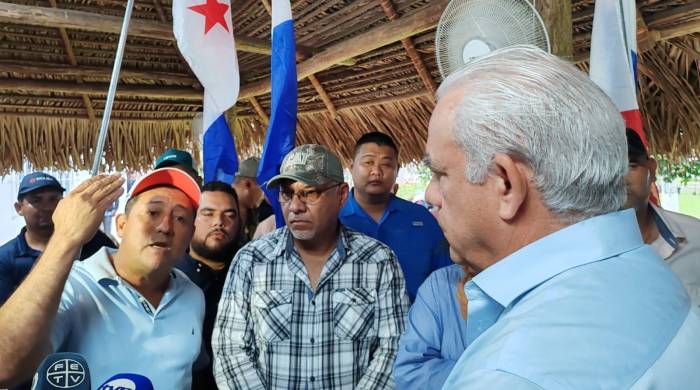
[78,215]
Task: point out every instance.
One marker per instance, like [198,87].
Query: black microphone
[127,382]
[64,370]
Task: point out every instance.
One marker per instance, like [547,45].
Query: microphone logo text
[66,374]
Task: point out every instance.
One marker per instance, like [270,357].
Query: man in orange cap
[124,310]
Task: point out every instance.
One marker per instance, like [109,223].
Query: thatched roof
[367,64]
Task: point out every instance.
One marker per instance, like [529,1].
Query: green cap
[248,167]
[310,164]
[174,157]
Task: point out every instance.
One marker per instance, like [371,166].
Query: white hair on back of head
[542,111]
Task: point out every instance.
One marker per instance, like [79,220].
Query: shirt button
[312,340]
[313,378]
[313,302]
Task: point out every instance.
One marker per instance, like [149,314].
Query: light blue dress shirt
[435,335]
[117,330]
[587,307]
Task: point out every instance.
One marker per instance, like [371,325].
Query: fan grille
[471,28]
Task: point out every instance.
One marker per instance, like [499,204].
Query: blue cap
[38,180]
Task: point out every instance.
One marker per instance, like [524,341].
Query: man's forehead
[163,195]
[216,199]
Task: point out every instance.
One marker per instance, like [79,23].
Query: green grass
[689,202]
[407,191]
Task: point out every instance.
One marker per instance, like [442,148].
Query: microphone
[127,382]
[64,370]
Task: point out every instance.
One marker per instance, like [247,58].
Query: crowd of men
[529,272]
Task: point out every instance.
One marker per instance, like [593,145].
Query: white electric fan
[472,28]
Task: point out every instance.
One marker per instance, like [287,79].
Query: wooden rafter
[25,68]
[259,109]
[74,62]
[87,21]
[159,11]
[388,33]
[410,48]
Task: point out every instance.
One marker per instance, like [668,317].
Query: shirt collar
[670,231]
[585,242]
[23,248]
[352,207]
[100,267]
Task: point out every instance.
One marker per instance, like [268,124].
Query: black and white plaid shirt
[274,331]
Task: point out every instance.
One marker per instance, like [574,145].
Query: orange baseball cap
[171,177]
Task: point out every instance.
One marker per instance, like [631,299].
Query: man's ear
[344,192]
[18,208]
[511,180]
[652,165]
[121,223]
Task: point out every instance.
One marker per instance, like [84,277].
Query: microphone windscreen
[63,370]
[127,382]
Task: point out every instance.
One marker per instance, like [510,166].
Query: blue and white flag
[281,133]
[204,33]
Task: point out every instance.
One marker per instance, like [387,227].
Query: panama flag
[614,57]
[281,133]
[204,33]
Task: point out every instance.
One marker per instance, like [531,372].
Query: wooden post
[556,15]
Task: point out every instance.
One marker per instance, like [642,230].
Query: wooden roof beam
[658,35]
[87,21]
[259,109]
[671,14]
[29,69]
[410,48]
[417,22]
[178,93]
[74,62]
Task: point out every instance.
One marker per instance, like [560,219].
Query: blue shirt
[435,335]
[409,230]
[117,330]
[587,307]
[17,258]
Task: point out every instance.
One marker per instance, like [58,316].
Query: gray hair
[542,111]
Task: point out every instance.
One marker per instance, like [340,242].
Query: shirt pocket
[353,313]
[273,314]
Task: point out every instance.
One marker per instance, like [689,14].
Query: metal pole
[112,89]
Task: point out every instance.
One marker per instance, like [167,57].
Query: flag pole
[112,89]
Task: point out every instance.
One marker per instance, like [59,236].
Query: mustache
[296,218]
[217,230]
[159,239]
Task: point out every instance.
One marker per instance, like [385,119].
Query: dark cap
[175,157]
[636,151]
[38,180]
[248,167]
[310,164]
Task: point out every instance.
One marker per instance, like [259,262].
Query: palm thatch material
[54,80]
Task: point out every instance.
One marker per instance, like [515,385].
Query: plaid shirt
[274,331]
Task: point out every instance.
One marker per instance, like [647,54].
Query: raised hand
[78,215]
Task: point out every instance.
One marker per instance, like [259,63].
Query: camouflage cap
[310,164]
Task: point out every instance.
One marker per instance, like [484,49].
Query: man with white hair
[528,161]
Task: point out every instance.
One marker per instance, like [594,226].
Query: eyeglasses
[305,196]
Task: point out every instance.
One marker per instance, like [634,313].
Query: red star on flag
[213,12]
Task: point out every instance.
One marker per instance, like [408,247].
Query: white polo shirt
[117,330]
[679,245]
